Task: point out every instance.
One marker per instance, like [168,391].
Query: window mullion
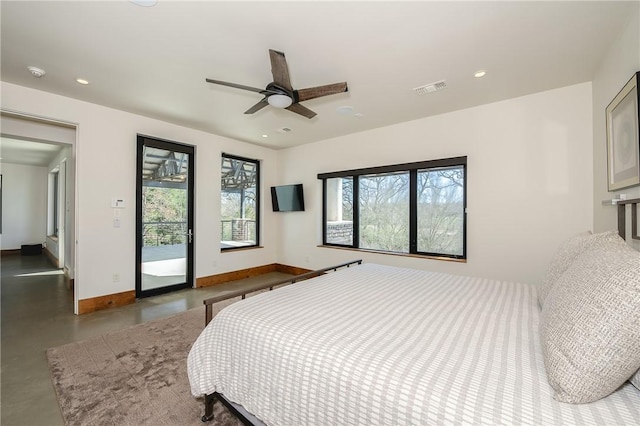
[356,211]
[324,211]
[413,211]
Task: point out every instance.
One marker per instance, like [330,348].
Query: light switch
[117,203]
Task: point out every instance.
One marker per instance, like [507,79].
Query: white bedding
[378,345]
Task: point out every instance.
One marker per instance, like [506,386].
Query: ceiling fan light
[279,101]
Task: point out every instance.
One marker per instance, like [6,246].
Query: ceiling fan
[280,94]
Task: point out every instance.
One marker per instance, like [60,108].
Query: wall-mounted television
[287,198]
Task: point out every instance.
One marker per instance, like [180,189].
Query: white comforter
[377,345]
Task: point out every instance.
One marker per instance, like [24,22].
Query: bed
[381,345]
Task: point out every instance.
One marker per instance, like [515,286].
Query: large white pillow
[590,324]
[567,253]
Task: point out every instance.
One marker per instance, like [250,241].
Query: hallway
[37,313]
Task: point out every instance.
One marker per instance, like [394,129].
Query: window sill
[417,256]
[235,249]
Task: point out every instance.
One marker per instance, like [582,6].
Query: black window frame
[412,169]
[258,201]
[56,201]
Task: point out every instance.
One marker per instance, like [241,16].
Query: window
[416,208]
[240,202]
[338,211]
[54,202]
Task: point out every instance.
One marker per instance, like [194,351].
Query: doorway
[38,210]
[164,216]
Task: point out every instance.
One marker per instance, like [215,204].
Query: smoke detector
[36,72]
[430,88]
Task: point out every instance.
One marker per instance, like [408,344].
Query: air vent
[36,72]
[430,88]
[284,130]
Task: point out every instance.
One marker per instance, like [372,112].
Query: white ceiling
[153,61]
[31,153]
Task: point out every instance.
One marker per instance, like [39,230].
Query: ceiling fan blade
[316,92]
[302,110]
[280,70]
[237,86]
[257,107]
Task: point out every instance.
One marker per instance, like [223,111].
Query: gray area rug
[135,376]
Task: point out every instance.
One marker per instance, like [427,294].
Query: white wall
[106,167]
[24,205]
[617,67]
[529,181]
[530,165]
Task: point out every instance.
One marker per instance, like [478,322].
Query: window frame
[412,169]
[53,216]
[258,201]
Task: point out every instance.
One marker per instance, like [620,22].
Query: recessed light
[480,73]
[265,136]
[144,3]
[36,72]
[345,110]
[82,81]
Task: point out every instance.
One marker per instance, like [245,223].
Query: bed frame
[238,411]
[622,218]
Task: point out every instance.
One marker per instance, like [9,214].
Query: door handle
[190,235]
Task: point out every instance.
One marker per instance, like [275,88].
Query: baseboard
[52,258]
[293,270]
[235,275]
[99,303]
[10,252]
[248,273]
[70,282]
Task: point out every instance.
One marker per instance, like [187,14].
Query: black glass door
[164,208]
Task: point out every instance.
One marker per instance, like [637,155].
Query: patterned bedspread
[379,345]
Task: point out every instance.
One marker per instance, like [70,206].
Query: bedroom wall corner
[618,65]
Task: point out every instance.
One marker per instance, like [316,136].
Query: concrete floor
[37,313]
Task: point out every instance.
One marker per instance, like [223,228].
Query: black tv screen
[287,198]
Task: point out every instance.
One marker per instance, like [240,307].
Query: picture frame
[623,137]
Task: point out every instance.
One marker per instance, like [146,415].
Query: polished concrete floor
[37,313]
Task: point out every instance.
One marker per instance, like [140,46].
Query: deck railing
[164,233]
[175,232]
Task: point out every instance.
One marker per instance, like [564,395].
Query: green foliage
[384,212]
[164,213]
[440,211]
